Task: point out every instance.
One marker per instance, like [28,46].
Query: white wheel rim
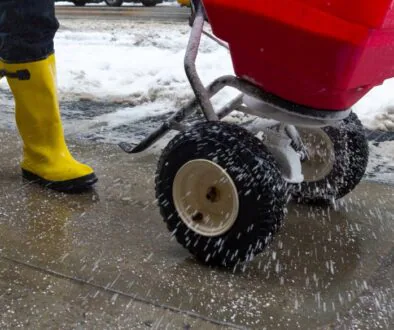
[321,154]
[205,197]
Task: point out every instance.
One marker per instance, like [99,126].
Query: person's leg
[27,30]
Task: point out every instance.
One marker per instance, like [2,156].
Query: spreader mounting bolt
[197,217]
[213,195]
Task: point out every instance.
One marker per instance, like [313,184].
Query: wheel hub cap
[321,154]
[205,197]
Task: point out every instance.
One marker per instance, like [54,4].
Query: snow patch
[376,109]
[140,64]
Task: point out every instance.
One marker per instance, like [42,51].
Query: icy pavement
[105,259]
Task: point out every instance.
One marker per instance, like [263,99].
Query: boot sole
[69,186]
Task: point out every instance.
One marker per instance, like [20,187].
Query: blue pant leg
[27,29]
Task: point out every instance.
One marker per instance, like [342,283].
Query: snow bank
[142,64]
[376,109]
[138,64]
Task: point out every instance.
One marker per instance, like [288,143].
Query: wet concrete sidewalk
[104,260]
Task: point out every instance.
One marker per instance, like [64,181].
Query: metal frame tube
[176,118]
[191,70]
[217,40]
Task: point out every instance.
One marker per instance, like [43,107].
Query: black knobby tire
[256,176]
[351,159]
[114,3]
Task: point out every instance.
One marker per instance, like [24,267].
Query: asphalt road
[172,14]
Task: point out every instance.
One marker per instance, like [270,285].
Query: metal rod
[185,111]
[178,126]
[146,143]
[217,40]
[177,117]
[300,147]
[230,107]
[201,93]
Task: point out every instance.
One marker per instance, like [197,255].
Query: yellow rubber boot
[2,70]
[46,158]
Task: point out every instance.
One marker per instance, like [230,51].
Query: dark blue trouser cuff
[27,29]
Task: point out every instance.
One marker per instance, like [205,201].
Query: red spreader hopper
[324,54]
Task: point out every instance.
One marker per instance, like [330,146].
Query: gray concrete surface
[104,259]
